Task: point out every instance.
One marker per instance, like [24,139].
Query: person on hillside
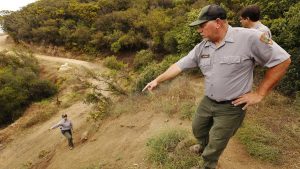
[226,56]
[249,18]
[66,128]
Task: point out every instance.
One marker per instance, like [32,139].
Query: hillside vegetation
[20,84]
[160,26]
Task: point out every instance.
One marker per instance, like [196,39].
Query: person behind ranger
[249,18]
[226,57]
[66,128]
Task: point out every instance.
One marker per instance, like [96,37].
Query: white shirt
[63,125]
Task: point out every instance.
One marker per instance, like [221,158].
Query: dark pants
[213,125]
[68,135]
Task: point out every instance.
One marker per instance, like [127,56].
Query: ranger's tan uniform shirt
[228,69]
[261,27]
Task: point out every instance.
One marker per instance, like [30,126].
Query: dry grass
[176,98]
[278,131]
[39,112]
[56,51]
[169,150]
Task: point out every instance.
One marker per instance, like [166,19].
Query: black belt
[221,102]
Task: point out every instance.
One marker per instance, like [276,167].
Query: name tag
[205,56]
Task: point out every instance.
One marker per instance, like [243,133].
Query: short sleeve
[266,52]
[190,60]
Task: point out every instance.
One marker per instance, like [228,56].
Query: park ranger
[249,18]
[226,57]
[66,128]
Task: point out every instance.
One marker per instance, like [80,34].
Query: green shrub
[112,63]
[170,42]
[163,152]
[101,106]
[142,58]
[115,47]
[40,89]
[162,144]
[20,85]
[153,70]
[187,110]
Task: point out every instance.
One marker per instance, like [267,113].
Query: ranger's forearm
[170,73]
[272,77]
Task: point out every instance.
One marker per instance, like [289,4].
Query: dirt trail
[118,143]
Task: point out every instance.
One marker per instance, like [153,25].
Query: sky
[14,5]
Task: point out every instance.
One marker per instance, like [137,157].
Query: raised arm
[171,72]
[56,125]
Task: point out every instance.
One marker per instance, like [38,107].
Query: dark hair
[252,12]
[64,115]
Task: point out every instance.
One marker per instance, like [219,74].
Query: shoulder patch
[265,39]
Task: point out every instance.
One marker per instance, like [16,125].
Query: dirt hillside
[116,143]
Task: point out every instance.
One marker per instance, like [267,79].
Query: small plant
[43,153]
[101,106]
[112,63]
[46,111]
[187,110]
[259,142]
[164,151]
[27,165]
[142,59]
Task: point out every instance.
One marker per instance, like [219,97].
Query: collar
[256,25]
[228,38]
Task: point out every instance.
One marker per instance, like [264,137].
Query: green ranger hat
[209,12]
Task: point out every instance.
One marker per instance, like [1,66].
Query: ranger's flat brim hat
[208,13]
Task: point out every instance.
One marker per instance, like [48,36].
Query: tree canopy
[95,26]
[20,84]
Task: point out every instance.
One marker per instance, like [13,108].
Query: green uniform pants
[213,125]
[68,135]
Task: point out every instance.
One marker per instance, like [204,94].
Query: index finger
[146,87]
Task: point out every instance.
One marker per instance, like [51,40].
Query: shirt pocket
[230,60]
[230,65]
[205,65]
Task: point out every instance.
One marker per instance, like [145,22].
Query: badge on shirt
[205,56]
[265,39]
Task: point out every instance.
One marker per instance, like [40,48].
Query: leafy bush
[101,105]
[185,36]
[40,89]
[142,58]
[87,25]
[153,70]
[19,85]
[112,63]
